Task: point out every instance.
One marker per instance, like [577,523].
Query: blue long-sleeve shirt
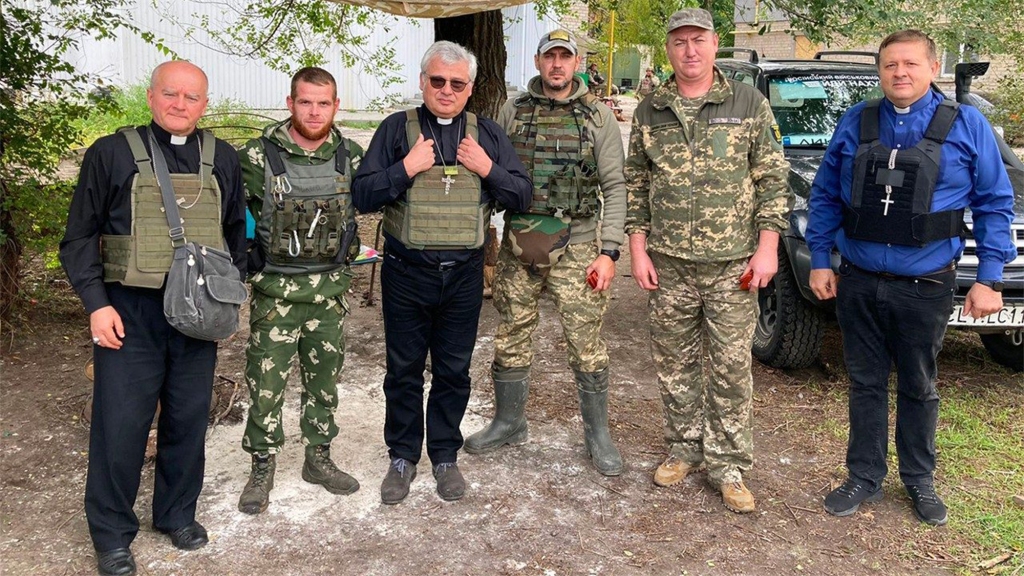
[381,178]
[971,175]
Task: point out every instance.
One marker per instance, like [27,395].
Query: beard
[557,87]
[308,133]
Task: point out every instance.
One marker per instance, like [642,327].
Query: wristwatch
[614,255]
[997,286]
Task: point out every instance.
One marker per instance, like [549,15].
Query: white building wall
[128,60]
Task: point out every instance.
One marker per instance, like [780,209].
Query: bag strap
[175,230]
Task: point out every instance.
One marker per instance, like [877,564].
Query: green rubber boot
[511,386]
[593,391]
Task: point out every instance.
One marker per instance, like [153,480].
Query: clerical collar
[164,136]
[899,110]
[444,121]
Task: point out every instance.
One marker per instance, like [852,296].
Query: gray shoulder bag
[202,293]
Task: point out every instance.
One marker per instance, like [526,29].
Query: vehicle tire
[1006,349]
[789,329]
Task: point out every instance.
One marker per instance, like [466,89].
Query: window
[950,58]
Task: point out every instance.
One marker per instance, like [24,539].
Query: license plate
[1012,316]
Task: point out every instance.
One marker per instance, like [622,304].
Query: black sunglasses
[438,82]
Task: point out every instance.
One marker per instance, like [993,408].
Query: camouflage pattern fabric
[516,294]
[705,176]
[538,241]
[702,327]
[279,330]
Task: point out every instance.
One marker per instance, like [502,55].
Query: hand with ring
[106,327]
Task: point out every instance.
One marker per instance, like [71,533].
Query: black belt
[440,266]
[889,276]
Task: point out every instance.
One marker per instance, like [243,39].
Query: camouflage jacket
[603,130]
[702,185]
[293,287]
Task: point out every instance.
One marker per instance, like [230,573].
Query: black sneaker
[395,486]
[927,505]
[845,500]
[450,483]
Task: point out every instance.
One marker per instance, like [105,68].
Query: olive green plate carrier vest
[431,218]
[143,258]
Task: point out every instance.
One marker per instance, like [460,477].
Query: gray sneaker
[395,486]
[256,495]
[450,483]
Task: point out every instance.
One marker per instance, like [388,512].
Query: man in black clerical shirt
[117,264]
[437,172]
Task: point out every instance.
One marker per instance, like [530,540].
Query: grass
[360,124]
[980,446]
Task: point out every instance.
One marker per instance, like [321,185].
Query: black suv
[808,97]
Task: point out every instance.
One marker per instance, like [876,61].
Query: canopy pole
[611,56]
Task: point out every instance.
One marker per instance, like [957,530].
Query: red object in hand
[745,280]
[592,279]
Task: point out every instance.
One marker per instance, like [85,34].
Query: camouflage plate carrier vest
[553,145]
[143,258]
[306,211]
[431,218]
[891,195]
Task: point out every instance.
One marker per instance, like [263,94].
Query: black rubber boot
[511,387]
[593,391]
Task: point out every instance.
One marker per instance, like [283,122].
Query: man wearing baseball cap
[707,201]
[572,147]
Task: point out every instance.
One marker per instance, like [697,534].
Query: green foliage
[289,34]
[985,26]
[130,109]
[1009,113]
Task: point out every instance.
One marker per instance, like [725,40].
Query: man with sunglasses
[436,171]
[572,146]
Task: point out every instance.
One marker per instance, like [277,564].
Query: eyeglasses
[438,82]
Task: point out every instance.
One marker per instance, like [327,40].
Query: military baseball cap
[690,17]
[557,38]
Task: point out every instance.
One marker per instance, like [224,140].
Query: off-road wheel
[1006,348]
[789,328]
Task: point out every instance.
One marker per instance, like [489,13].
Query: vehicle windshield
[807,107]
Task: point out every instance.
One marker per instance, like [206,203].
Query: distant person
[708,199]
[891,194]
[569,141]
[297,181]
[117,260]
[647,84]
[595,80]
[436,171]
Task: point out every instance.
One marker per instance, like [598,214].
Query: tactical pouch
[307,230]
[573,191]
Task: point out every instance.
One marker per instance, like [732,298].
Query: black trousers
[156,362]
[435,311]
[888,321]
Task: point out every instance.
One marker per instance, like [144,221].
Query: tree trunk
[484,35]
[10,257]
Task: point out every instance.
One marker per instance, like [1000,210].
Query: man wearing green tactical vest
[571,144]
[297,185]
[436,171]
[117,252]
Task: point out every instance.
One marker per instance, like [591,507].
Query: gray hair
[449,53]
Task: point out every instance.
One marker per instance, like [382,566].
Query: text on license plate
[1008,316]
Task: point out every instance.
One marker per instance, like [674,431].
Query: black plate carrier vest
[891,196]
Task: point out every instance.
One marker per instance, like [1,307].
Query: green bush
[1009,113]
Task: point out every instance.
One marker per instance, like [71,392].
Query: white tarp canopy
[429,9]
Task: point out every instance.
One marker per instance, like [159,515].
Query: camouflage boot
[320,469]
[256,494]
[593,391]
[511,386]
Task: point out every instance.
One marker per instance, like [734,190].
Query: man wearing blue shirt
[891,194]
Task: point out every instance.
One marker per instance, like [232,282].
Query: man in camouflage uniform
[297,185]
[572,147]
[707,201]
[647,84]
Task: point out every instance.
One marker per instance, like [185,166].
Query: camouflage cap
[557,38]
[690,17]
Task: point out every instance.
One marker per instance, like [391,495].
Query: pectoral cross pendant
[448,181]
[887,200]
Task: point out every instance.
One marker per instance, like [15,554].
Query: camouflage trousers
[702,327]
[516,296]
[280,329]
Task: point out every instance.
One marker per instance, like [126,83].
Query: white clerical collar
[178,140]
[444,121]
[901,110]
